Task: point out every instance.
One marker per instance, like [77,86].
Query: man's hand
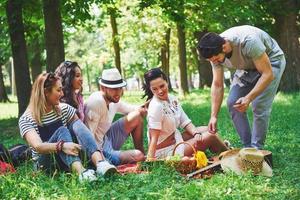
[71,148]
[212,125]
[242,104]
[143,111]
[144,108]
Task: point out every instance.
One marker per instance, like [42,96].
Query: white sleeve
[155,116]
[184,119]
[92,114]
[125,108]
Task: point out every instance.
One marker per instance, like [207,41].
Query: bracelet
[197,133]
[59,145]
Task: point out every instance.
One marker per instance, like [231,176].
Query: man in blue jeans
[259,64]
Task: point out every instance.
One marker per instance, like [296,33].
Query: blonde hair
[38,101]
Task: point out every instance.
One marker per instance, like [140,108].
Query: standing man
[259,64]
[100,109]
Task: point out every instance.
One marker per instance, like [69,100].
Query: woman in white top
[165,115]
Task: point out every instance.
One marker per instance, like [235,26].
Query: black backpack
[16,154]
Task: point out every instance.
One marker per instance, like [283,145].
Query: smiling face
[77,81]
[54,94]
[159,88]
[112,94]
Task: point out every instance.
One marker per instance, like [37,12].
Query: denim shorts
[113,140]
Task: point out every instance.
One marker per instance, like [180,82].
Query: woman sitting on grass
[71,79]
[44,126]
[165,115]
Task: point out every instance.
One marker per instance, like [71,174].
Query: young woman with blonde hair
[44,126]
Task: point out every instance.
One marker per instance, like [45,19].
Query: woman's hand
[71,148]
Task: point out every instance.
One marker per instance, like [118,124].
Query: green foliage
[165,183]
[5,51]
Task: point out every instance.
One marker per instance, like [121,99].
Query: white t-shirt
[99,118]
[166,116]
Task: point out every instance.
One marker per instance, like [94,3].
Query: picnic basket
[183,166]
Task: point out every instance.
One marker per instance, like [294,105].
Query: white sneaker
[87,175]
[104,168]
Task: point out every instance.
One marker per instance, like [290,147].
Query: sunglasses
[69,64]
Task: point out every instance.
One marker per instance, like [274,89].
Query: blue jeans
[261,108]
[84,137]
[60,160]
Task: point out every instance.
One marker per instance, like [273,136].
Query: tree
[115,38]
[19,52]
[54,38]
[34,35]
[174,11]
[4,55]
[182,57]
[287,35]
[165,56]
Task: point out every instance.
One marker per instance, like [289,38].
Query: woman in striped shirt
[44,126]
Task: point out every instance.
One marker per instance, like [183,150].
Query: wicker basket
[183,166]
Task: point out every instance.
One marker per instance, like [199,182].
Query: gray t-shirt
[249,43]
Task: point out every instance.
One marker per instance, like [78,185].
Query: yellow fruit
[201,159]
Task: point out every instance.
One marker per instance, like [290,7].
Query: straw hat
[241,161]
[111,78]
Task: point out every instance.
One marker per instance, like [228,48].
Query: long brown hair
[149,76]
[37,104]
[66,71]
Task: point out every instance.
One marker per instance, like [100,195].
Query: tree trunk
[88,76]
[204,67]
[190,80]
[3,94]
[19,52]
[182,58]
[54,39]
[288,39]
[36,60]
[115,37]
[165,56]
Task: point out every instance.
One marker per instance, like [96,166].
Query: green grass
[163,183]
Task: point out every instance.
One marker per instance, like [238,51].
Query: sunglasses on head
[70,64]
[49,79]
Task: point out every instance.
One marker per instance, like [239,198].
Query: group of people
[63,130]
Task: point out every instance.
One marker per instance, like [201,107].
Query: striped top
[27,123]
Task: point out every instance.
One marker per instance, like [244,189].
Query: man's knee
[138,155]
[230,102]
[134,119]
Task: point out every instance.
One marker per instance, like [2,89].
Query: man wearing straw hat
[100,109]
[259,64]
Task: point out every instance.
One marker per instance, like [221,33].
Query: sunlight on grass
[283,140]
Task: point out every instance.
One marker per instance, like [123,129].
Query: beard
[111,98]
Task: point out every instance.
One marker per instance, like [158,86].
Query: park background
[134,36]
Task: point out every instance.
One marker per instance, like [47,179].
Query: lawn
[283,140]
